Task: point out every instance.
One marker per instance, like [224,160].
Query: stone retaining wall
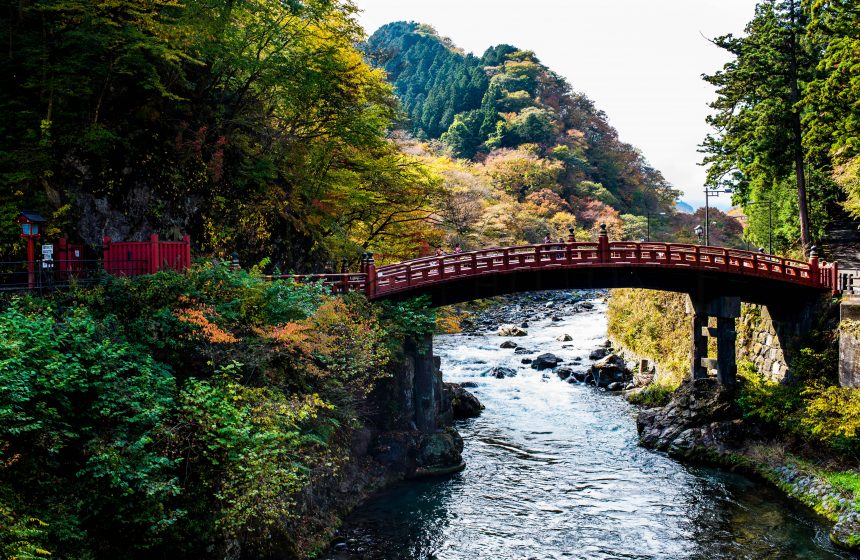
[759,343]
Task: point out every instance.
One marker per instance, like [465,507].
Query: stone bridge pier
[725,310]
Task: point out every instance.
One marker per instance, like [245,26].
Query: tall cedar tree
[759,138]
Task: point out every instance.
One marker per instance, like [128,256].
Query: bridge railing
[603,253]
[428,270]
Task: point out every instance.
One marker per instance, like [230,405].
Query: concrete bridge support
[725,310]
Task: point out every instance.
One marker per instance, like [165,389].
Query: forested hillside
[255,126]
[508,101]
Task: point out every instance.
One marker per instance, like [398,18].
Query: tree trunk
[798,147]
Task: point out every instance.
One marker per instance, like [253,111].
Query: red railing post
[62,258]
[186,252]
[106,264]
[603,244]
[370,269]
[813,266]
[153,253]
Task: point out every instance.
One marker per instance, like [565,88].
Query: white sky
[640,61]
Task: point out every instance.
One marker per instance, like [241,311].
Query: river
[554,471]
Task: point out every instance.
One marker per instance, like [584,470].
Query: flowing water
[554,471]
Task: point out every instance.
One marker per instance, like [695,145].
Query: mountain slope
[508,100]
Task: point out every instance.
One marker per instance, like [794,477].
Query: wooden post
[813,265]
[62,256]
[153,254]
[186,253]
[106,263]
[603,244]
[31,262]
[370,284]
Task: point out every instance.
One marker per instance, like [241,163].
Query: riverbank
[209,414]
[791,426]
[703,423]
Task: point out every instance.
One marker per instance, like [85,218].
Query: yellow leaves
[832,412]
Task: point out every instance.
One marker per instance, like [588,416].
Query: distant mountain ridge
[507,100]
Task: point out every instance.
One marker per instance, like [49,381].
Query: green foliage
[81,415]
[523,106]
[653,395]
[653,325]
[810,406]
[250,443]
[412,317]
[252,126]
[107,451]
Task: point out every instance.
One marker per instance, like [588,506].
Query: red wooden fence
[133,258]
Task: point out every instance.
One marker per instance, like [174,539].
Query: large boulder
[563,372]
[598,354]
[610,369]
[512,330]
[463,403]
[702,418]
[508,344]
[546,361]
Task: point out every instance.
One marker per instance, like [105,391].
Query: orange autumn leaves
[201,317]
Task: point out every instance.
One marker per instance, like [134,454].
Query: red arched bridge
[717,279]
[701,271]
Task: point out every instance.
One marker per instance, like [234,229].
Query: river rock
[615,386]
[463,403]
[546,361]
[564,338]
[579,376]
[521,350]
[524,324]
[512,330]
[439,452]
[526,361]
[586,305]
[564,372]
[701,419]
[556,319]
[468,384]
[508,344]
[500,372]
[597,354]
[610,369]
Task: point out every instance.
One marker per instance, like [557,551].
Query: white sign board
[47,252]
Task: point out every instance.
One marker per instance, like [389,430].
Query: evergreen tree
[758,143]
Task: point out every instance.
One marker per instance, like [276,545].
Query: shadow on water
[554,471]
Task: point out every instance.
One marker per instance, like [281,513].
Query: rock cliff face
[701,419]
[391,446]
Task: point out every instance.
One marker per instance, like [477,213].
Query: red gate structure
[134,258]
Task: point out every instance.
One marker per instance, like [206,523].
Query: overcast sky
[640,61]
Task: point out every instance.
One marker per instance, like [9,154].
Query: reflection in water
[554,471]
